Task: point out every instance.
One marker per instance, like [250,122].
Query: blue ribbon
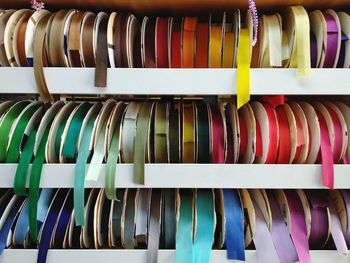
[4,232]
[184,242]
[50,223]
[234,225]
[203,240]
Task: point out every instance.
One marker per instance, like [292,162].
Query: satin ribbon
[280,235]
[6,124]
[284,149]
[273,134]
[80,169]
[141,138]
[160,132]
[161,37]
[47,231]
[218,135]
[128,219]
[34,184]
[265,249]
[243,68]
[188,133]
[298,226]
[203,133]
[184,252]
[338,135]
[342,52]
[319,218]
[313,49]
[202,45]
[176,49]
[154,226]
[204,233]
[113,157]
[326,154]
[10,219]
[189,28]
[13,150]
[22,225]
[332,41]
[70,144]
[168,218]
[99,135]
[234,233]
[63,222]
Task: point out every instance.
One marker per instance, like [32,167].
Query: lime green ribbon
[80,170]
[6,124]
[13,151]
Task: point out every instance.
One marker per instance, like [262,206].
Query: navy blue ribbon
[50,223]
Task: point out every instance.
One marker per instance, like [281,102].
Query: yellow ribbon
[243,68]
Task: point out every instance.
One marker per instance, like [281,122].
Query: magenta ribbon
[298,226]
[332,41]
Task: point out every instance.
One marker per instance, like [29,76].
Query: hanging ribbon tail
[274,100]
[243,68]
[326,154]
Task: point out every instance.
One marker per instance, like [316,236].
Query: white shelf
[195,176]
[140,256]
[177,81]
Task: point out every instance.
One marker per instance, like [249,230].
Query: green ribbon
[19,184]
[112,159]
[34,184]
[74,129]
[142,132]
[184,242]
[59,133]
[204,234]
[80,168]
[14,146]
[6,124]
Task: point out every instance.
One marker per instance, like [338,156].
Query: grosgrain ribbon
[243,68]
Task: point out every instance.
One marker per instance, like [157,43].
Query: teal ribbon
[74,130]
[204,236]
[80,171]
[184,242]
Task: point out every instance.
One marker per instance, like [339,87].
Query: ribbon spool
[247,134]
[249,216]
[233,138]
[302,133]
[266,119]
[343,61]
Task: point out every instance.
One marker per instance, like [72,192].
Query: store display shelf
[139,256]
[272,176]
[125,81]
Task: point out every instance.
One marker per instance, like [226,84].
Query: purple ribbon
[313,50]
[319,203]
[332,41]
[346,197]
[341,60]
[280,235]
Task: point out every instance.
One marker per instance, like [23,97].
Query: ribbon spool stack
[95,133]
[280,224]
